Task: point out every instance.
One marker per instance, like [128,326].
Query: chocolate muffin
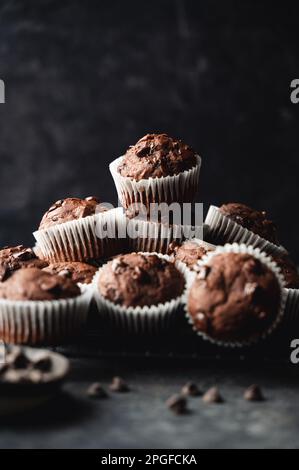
[288,270]
[189,252]
[234,298]
[71,208]
[136,280]
[36,284]
[155,156]
[77,271]
[16,257]
[251,219]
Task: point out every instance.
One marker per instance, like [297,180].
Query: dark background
[84,80]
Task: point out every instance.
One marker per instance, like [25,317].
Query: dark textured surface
[140,419]
[86,79]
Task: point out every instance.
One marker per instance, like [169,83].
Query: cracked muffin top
[71,208]
[253,220]
[234,297]
[135,279]
[188,252]
[157,155]
[17,257]
[36,284]
[76,271]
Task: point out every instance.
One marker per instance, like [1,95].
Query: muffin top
[16,257]
[76,271]
[253,220]
[135,279]
[156,155]
[288,270]
[189,252]
[36,284]
[71,208]
[234,297]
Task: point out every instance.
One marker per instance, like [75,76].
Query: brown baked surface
[16,257]
[156,155]
[135,280]
[253,220]
[234,297]
[188,252]
[71,208]
[36,284]
[76,271]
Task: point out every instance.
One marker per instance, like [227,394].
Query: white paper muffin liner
[178,188]
[80,239]
[266,260]
[141,320]
[221,226]
[292,308]
[33,322]
[155,236]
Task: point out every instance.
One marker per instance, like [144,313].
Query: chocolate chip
[25,255]
[65,273]
[191,389]
[177,404]
[43,364]
[55,205]
[118,385]
[253,393]
[212,396]
[96,390]
[117,264]
[92,198]
[141,275]
[18,359]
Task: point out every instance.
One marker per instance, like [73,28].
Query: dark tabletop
[140,418]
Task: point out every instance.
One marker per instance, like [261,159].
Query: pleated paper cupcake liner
[154,236]
[292,308]
[33,322]
[178,188]
[82,239]
[266,260]
[152,319]
[224,230]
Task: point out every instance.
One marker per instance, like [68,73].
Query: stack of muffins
[233,294]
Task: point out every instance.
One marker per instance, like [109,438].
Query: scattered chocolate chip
[212,396]
[118,385]
[18,359]
[43,364]
[253,393]
[191,389]
[96,390]
[177,404]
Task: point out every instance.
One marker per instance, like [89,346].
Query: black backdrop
[86,79]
